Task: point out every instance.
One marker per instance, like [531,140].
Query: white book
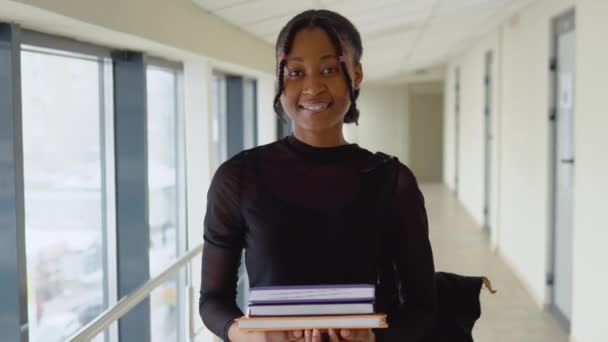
[312,322]
[311,309]
[312,294]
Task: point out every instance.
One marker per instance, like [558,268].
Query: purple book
[353,293]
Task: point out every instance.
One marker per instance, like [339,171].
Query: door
[564,165]
[488,141]
[456,129]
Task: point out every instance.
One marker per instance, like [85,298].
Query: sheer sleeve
[412,262]
[223,236]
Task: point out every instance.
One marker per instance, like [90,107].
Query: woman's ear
[358,73]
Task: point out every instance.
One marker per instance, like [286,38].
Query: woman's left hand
[342,335]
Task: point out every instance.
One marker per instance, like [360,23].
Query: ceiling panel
[268,25]
[403,40]
[471,5]
[379,8]
[398,35]
[256,10]
[214,5]
[371,22]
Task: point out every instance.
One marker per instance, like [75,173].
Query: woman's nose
[313,85]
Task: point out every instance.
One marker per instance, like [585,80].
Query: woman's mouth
[314,107]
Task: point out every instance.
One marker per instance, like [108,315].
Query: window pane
[64,211]
[250,124]
[163,190]
[219,109]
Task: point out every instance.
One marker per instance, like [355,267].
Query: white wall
[383,124]
[425,131]
[386,124]
[591,185]
[523,141]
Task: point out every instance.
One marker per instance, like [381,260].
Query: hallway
[459,246]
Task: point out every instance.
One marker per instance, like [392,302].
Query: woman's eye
[294,73]
[329,71]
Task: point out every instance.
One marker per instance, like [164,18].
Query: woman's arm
[224,240]
[413,264]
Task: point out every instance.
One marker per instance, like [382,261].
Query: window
[234,109]
[250,131]
[65,112]
[219,130]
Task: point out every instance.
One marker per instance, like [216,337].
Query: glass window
[65,192]
[219,111]
[164,198]
[241,132]
[250,118]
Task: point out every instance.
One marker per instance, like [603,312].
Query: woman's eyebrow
[328,57]
[300,59]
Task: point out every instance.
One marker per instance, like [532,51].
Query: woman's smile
[314,107]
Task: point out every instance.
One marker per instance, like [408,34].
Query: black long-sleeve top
[306,215]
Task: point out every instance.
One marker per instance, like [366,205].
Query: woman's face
[316,95]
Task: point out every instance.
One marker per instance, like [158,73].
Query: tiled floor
[461,247]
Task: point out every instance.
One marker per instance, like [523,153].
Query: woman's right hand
[237,335]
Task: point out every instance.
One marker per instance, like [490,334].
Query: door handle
[567,161]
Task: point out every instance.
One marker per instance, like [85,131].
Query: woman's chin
[318,125]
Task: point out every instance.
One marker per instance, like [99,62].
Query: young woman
[314,209]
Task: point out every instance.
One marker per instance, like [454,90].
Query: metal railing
[103,321]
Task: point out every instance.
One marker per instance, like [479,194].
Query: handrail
[89,331]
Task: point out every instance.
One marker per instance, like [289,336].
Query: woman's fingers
[283,336]
[313,335]
[358,335]
[316,335]
[295,335]
[333,336]
[308,335]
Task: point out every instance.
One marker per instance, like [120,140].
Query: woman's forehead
[314,43]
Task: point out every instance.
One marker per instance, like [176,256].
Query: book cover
[312,322]
[312,294]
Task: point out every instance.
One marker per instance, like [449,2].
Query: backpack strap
[379,159]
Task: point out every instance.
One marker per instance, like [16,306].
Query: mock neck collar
[321,153]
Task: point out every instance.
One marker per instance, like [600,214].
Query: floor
[460,246]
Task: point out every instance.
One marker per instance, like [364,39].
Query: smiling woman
[315,94]
[312,209]
[316,59]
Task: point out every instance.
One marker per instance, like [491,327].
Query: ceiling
[400,37]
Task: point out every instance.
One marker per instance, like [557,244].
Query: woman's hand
[341,335]
[237,335]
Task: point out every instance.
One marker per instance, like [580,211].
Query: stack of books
[312,307]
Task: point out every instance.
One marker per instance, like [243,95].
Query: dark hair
[336,27]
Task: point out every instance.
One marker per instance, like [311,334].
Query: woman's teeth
[315,107]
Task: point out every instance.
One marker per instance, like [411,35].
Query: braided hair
[336,26]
